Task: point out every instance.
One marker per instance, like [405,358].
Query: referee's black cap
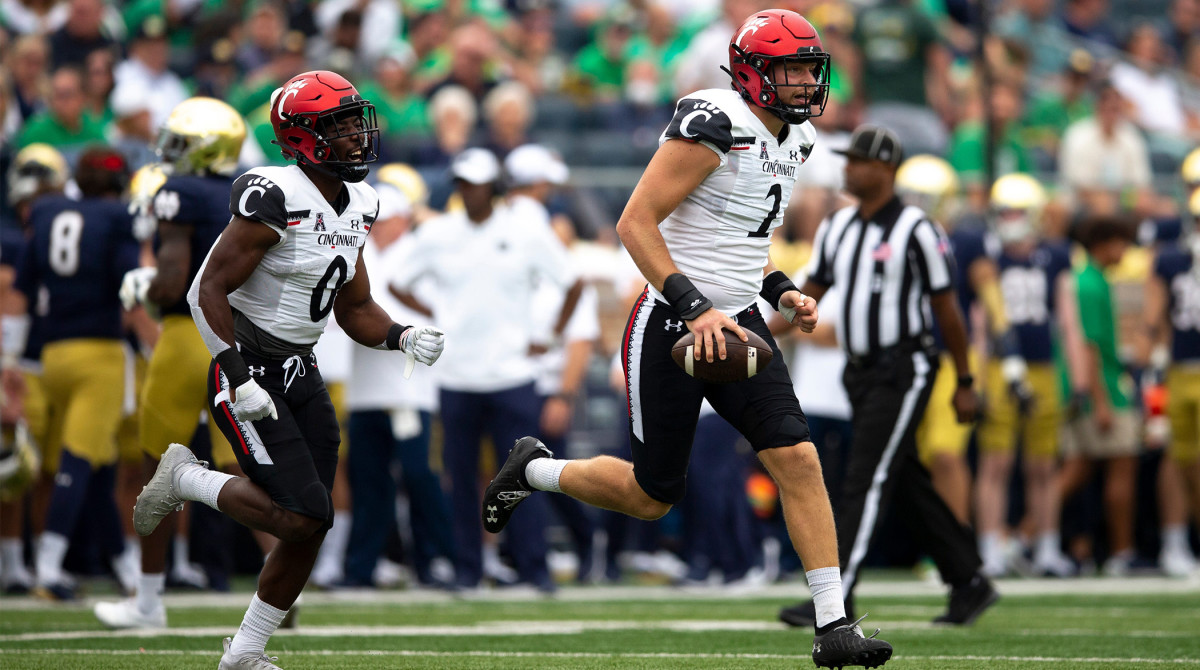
[874,143]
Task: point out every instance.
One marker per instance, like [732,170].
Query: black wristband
[774,286]
[234,367]
[392,341]
[685,298]
[966,381]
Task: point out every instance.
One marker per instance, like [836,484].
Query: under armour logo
[491,510]
[320,227]
[794,155]
[677,326]
[354,225]
[763,153]
[257,371]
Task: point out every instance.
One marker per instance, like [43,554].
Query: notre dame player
[290,256]
[72,268]
[699,225]
[198,147]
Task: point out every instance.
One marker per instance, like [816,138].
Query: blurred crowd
[1097,100]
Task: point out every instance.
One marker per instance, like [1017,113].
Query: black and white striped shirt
[886,269]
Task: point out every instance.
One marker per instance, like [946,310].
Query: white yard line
[1120,662]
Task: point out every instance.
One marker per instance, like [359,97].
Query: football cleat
[510,488]
[55,592]
[968,602]
[804,614]
[846,645]
[125,614]
[251,662]
[159,497]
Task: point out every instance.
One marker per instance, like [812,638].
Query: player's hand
[134,286]
[966,405]
[12,383]
[251,402]
[556,416]
[709,338]
[423,343]
[799,310]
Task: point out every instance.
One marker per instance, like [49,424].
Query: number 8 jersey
[284,304]
[720,234]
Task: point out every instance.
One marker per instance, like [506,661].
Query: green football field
[1093,623]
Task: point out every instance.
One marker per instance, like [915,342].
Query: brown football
[742,359]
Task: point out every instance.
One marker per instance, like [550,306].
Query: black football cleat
[846,645]
[510,487]
[804,614]
[968,602]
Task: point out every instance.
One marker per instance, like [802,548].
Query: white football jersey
[290,294]
[719,235]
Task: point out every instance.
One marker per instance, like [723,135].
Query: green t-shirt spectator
[1050,114]
[43,127]
[598,72]
[405,116]
[1099,322]
[968,155]
[893,40]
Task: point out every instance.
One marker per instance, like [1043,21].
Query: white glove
[421,343]
[251,402]
[134,286]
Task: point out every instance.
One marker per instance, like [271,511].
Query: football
[742,359]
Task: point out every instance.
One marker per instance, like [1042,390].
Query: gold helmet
[1189,172]
[37,168]
[202,135]
[1016,203]
[928,182]
[142,187]
[405,178]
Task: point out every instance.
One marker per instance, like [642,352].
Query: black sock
[841,621]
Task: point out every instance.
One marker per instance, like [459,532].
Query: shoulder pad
[257,198]
[698,120]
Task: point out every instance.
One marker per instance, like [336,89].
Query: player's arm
[1152,335]
[233,258]
[173,262]
[676,169]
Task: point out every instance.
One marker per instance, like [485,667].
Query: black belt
[889,355]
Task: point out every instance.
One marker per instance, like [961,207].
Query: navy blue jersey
[202,203]
[1174,267]
[970,240]
[12,250]
[72,269]
[1028,285]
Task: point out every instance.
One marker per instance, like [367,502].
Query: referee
[894,268]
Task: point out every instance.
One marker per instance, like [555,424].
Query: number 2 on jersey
[777,193]
[318,307]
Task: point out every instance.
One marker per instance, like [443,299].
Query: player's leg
[942,443]
[462,432]
[997,441]
[1043,498]
[370,474]
[331,562]
[429,512]
[1179,474]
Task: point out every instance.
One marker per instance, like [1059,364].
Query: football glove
[134,286]
[421,343]
[251,402]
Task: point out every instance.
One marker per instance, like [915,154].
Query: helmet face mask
[318,116]
[773,43]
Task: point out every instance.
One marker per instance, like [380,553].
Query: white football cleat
[1178,564]
[253,662]
[125,614]
[159,497]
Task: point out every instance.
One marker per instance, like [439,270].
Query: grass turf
[690,631]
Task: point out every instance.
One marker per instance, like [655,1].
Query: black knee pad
[317,503]
[780,431]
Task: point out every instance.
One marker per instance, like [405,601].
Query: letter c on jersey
[246,198]
[683,127]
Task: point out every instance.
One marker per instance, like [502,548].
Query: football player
[1032,272]
[290,256]
[185,211]
[69,275]
[699,225]
[38,170]
[1172,319]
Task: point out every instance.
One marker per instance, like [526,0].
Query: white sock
[543,473]
[1047,544]
[991,546]
[51,549]
[149,592]
[1174,539]
[826,587]
[258,625]
[201,484]
[181,550]
[11,557]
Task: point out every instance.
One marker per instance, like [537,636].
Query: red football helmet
[766,39]
[311,110]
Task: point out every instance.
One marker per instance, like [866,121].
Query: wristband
[685,298]
[774,286]
[234,367]
[966,381]
[14,333]
[395,332]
